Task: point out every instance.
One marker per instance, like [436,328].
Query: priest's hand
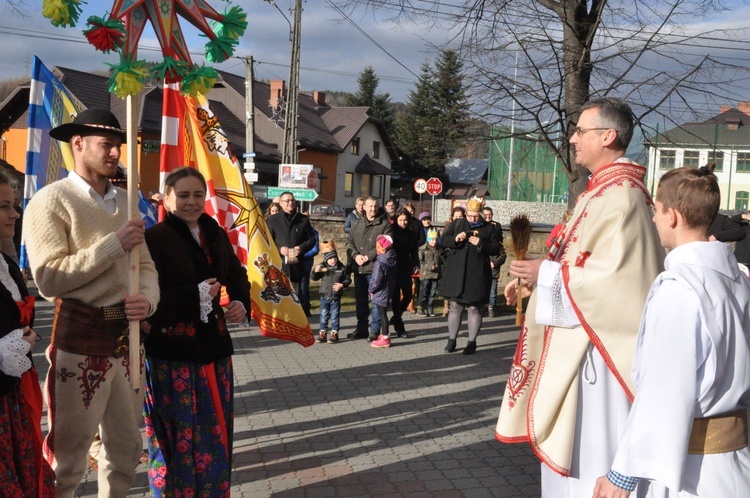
[527,269]
[511,292]
[605,489]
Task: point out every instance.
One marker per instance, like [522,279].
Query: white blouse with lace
[13,349]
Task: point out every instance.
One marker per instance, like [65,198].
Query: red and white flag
[192,136]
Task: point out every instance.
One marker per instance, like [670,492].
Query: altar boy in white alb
[686,434]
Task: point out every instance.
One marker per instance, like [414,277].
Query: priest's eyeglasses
[580,131]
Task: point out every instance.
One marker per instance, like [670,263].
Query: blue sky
[333,52]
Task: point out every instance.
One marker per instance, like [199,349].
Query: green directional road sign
[301,194]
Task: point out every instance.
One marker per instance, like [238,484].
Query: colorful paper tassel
[105,34]
[233,25]
[220,48]
[170,70]
[128,78]
[199,80]
[62,12]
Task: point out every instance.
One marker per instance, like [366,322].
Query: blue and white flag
[47,159]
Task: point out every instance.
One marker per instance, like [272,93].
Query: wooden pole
[134,326]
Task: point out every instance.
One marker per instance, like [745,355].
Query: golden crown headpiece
[475,204]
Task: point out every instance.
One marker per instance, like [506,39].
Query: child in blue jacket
[382,283]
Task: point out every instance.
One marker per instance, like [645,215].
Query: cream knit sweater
[74,251]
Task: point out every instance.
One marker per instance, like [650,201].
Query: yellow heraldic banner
[192,136]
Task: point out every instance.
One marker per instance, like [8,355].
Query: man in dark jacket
[360,249]
[293,235]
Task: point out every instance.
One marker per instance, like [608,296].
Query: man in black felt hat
[78,238]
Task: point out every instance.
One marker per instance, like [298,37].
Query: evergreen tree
[435,122]
[410,133]
[367,96]
[452,102]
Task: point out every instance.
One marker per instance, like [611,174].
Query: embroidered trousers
[86,394]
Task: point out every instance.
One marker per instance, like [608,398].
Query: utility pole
[250,175]
[292,103]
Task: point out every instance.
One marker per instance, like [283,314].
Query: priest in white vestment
[569,390]
[686,434]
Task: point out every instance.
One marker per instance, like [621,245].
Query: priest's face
[589,140]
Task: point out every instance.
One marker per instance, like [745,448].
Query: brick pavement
[348,420]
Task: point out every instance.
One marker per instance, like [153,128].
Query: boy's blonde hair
[693,192]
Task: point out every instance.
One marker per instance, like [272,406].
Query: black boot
[471,347]
[451,346]
[398,326]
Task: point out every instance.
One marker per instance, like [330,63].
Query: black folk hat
[92,121]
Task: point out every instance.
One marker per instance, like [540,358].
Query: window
[741,200]
[376,150]
[743,162]
[377,186]
[691,158]
[717,156]
[666,160]
[355,146]
[349,185]
[365,185]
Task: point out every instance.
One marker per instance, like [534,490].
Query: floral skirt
[23,471]
[189,424]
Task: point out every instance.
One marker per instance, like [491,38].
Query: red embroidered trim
[582,257]
[611,175]
[594,338]
[520,374]
[533,442]
[93,371]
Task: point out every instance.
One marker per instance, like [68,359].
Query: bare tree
[538,61]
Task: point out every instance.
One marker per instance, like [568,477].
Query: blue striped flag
[47,160]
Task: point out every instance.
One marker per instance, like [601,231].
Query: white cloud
[333,52]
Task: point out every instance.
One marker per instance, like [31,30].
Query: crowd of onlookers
[420,256]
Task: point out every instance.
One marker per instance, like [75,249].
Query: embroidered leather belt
[719,434]
[83,329]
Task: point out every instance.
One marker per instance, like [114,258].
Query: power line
[349,20]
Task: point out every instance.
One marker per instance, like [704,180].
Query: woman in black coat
[189,377]
[406,247]
[469,242]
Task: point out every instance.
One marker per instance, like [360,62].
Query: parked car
[327,211]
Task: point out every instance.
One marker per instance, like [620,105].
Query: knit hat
[89,122]
[432,234]
[425,216]
[475,204]
[384,242]
[328,249]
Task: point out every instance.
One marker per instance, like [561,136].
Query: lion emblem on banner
[276,281]
[212,133]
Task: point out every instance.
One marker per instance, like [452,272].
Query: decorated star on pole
[121,31]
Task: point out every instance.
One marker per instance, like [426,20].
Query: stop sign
[312,180]
[434,186]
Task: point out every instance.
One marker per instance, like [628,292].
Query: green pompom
[199,80]
[170,69]
[233,25]
[128,77]
[220,48]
